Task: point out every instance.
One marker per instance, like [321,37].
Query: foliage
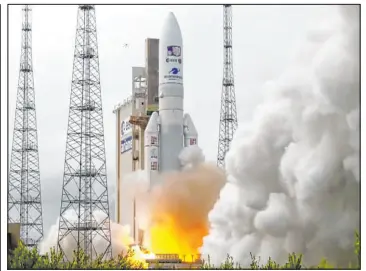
[294,262]
[23,258]
[358,248]
[324,265]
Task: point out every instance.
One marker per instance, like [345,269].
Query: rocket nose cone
[171,17]
[152,125]
[171,23]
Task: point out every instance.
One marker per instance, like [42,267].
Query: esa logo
[125,127]
[174,71]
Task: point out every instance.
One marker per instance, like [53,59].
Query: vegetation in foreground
[22,258]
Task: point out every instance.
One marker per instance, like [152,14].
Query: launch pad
[174,261]
[167,260]
[179,266]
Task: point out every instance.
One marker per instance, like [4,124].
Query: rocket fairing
[173,130]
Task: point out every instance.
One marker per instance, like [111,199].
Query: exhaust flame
[173,215]
[141,255]
[179,210]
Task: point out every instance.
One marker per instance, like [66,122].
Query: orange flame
[179,210]
[141,255]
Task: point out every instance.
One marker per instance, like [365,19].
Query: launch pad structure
[84,189]
[132,116]
[24,185]
[228,113]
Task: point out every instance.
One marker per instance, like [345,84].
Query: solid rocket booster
[190,132]
[152,147]
[174,131]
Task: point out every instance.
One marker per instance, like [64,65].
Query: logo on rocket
[174,50]
[174,71]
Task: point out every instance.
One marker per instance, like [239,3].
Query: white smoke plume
[293,173]
[191,156]
[120,236]
[135,183]
[172,197]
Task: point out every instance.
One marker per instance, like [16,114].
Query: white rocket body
[175,131]
[152,148]
[190,132]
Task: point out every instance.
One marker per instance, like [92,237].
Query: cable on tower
[228,115]
[84,213]
[24,187]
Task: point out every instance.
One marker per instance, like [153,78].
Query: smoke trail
[293,174]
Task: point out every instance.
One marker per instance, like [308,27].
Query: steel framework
[228,116]
[24,187]
[84,212]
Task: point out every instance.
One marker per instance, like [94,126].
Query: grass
[23,258]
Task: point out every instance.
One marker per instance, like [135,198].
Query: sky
[264,41]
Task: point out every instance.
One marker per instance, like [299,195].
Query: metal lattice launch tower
[228,117]
[24,200]
[84,213]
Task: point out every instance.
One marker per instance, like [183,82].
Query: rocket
[169,130]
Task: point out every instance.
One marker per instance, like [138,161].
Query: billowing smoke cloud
[293,174]
[179,209]
[173,214]
[120,236]
[191,156]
